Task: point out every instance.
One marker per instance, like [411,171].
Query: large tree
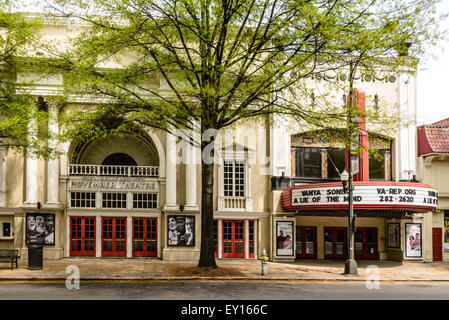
[20,112]
[224,61]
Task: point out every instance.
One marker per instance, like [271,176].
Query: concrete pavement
[228,269]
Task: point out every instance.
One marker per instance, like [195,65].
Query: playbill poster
[40,228]
[284,238]
[393,234]
[413,240]
[181,230]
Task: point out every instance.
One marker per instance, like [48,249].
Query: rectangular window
[145,200]
[6,229]
[377,161]
[234,178]
[308,162]
[335,158]
[114,200]
[82,199]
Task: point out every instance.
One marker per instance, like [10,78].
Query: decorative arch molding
[139,148]
[70,151]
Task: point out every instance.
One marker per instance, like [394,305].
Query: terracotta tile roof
[444,122]
[433,139]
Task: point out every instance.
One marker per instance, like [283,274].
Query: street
[224,290]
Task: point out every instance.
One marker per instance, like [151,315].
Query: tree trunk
[207,253]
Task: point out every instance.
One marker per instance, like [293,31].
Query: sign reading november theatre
[108,183]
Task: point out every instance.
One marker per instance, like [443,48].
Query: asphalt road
[222,290]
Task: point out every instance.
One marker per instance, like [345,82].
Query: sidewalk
[229,269]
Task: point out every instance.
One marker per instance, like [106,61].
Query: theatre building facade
[137,194]
[277,187]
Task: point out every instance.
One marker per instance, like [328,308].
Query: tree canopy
[19,34]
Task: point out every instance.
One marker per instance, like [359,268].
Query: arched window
[119,159]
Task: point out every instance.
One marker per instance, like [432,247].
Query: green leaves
[222,61]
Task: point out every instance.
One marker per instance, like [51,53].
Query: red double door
[113,236]
[306,247]
[335,243]
[233,238]
[144,237]
[82,236]
[366,243]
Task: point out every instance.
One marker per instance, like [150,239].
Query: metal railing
[99,170]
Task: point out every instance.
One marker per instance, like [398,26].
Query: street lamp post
[350,264]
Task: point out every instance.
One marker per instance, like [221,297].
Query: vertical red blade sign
[357,155]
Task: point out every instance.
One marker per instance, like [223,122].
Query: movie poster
[413,240]
[284,238]
[181,230]
[446,230]
[40,228]
[393,234]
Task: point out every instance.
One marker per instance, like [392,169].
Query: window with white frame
[234,184]
[114,200]
[234,178]
[82,199]
[145,200]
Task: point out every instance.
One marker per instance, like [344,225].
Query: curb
[331,279]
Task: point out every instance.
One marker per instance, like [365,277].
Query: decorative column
[98,243]
[31,191]
[191,162]
[170,181]
[129,237]
[53,163]
[64,160]
[246,230]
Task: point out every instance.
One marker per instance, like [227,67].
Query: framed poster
[40,228]
[284,238]
[446,230]
[393,235]
[413,240]
[181,230]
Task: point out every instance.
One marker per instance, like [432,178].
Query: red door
[82,236]
[114,237]
[306,242]
[233,239]
[335,243]
[144,237]
[366,243]
[437,244]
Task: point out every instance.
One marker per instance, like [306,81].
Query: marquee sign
[367,195]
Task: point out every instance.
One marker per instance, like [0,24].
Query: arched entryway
[113,189]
